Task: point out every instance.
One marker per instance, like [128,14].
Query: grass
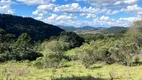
[25,71]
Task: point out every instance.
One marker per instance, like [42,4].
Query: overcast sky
[96,13]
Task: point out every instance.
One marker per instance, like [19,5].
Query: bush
[24,48]
[54,53]
[86,56]
[124,52]
[96,51]
[3,58]
[51,60]
[135,32]
[72,38]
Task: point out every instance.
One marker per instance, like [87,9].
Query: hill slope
[36,29]
[84,28]
[67,28]
[115,30]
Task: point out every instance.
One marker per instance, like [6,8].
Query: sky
[78,13]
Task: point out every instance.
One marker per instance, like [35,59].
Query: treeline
[22,48]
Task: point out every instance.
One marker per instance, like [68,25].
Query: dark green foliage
[24,48]
[5,37]
[6,41]
[72,38]
[2,31]
[36,29]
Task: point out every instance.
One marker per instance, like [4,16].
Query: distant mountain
[93,30]
[114,29]
[87,28]
[100,28]
[84,28]
[67,28]
[36,29]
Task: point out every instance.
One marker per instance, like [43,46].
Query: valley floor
[26,71]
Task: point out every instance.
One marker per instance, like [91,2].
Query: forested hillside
[36,29]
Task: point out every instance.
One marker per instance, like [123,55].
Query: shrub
[51,60]
[54,53]
[72,38]
[124,52]
[24,48]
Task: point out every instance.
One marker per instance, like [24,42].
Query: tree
[55,53]
[86,55]
[24,48]
[72,38]
[135,32]
[125,52]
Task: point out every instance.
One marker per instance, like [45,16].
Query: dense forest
[36,29]
[45,46]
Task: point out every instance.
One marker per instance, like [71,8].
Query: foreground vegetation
[69,71]
[72,57]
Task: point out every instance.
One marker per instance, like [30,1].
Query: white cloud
[111,3]
[65,17]
[134,9]
[105,18]
[88,12]
[46,7]
[68,8]
[57,18]
[88,15]
[5,7]
[130,19]
[34,2]
[52,17]
[67,14]
[70,20]
[42,10]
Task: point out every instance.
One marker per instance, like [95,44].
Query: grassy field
[26,71]
[72,70]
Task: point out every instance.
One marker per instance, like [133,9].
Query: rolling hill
[36,29]
[114,30]
[84,28]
